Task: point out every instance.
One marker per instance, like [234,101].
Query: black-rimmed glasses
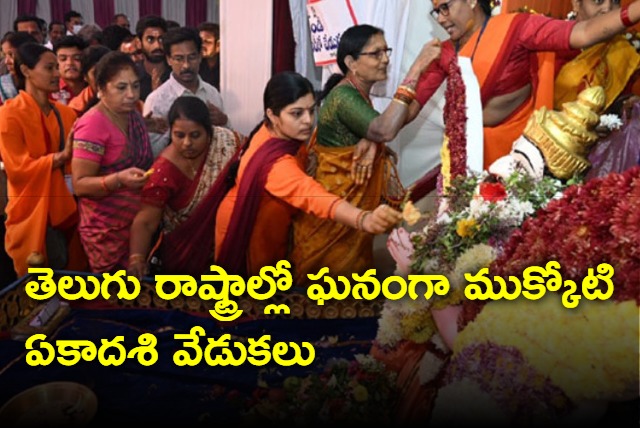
[443,10]
[377,54]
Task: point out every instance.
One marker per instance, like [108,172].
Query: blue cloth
[164,393]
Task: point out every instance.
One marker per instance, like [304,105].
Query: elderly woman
[33,131]
[253,220]
[180,192]
[346,117]
[110,157]
[501,51]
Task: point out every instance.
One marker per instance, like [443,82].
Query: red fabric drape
[27,7]
[103,11]
[283,45]
[150,7]
[196,12]
[59,8]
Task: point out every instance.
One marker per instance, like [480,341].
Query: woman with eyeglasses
[613,64]
[347,165]
[502,50]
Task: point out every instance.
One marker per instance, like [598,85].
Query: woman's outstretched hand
[381,219]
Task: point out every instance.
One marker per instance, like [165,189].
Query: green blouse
[344,117]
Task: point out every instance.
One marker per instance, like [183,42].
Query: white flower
[477,208]
[430,366]
[437,340]
[611,121]
[636,44]
[444,219]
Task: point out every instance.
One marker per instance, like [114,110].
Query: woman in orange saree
[254,218]
[36,159]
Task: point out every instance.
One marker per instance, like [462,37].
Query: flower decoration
[610,121]
[354,391]
[480,209]
[492,192]
[410,213]
[634,39]
[475,217]
[599,222]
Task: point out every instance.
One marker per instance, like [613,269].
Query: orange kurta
[38,195]
[287,190]
[79,102]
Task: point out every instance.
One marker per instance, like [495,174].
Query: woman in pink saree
[110,156]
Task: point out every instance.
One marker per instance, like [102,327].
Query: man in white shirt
[183,50]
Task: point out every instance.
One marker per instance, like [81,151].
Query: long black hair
[486,6]
[28,54]
[282,89]
[352,41]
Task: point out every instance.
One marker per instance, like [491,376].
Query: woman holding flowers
[253,219]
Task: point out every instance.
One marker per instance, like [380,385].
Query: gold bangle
[137,257]
[399,101]
[408,89]
[360,219]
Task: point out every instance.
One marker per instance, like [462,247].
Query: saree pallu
[608,64]
[322,243]
[187,242]
[105,221]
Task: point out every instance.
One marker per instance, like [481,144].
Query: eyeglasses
[182,59]
[377,54]
[443,10]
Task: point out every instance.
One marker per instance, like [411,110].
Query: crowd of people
[134,155]
[127,167]
[117,152]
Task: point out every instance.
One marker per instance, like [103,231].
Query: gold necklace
[360,91]
[114,118]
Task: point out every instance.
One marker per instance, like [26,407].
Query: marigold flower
[410,213]
[466,227]
[360,393]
